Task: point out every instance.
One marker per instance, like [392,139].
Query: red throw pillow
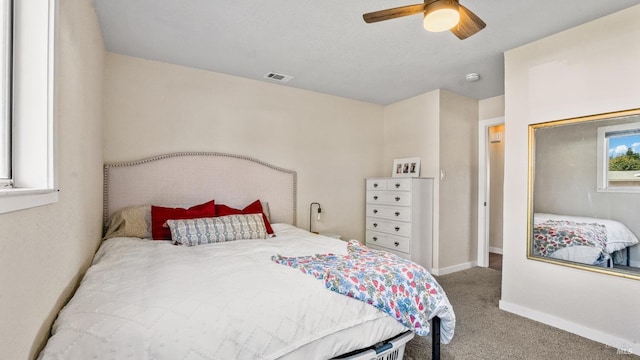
[160,215]
[253,208]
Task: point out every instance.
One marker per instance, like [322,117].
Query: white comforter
[145,299]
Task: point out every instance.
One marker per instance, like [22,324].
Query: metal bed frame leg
[435,338]
[628,256]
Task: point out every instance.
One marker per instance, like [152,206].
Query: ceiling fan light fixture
[441,15]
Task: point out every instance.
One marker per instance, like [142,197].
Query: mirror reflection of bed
[599,242]
[579,215]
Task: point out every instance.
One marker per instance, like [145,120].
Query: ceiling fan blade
[469,24]
[393,13]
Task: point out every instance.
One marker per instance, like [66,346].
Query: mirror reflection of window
[619,169]
[624,160]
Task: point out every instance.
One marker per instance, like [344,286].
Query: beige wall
[590,69]
[491,108]
[167,108]
[45,250]
[459,190]
[412,128]
[333,143]
[441,128]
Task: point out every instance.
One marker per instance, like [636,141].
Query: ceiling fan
[439,15]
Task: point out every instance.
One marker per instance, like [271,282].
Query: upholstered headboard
[185,179]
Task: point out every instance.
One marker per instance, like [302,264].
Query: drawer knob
[397,213]
[397,228]
[396,243]
[375,185]
[397,198]
[375,211]
[375,238]
[397,185]
[375,224]
[375,197]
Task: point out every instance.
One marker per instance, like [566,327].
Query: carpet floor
[483,331]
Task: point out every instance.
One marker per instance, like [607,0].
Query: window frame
[603,157]
[32,127]
[6,32]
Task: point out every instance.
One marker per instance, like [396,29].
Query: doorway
[490,189]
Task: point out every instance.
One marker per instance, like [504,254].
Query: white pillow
[200,231]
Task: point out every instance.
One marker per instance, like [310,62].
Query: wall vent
[278,77]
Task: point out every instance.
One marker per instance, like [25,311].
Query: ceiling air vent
[278,77]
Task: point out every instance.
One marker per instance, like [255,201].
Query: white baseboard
[495,250]
[623,346]
[455,268]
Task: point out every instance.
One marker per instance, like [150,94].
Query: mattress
[144,299]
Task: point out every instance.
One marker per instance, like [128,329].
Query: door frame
[484,193]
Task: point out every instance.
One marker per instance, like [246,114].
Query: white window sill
[20,199]
[631,190]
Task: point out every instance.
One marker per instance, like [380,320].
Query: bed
[152,299]
[585,240]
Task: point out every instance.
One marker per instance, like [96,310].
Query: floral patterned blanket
[553,235]
[399,287]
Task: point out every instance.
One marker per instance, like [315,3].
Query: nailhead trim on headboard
[178,154]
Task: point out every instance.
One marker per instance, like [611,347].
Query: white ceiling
[327,47]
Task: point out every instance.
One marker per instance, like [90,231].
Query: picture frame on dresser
[406,167]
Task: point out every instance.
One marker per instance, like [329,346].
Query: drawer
[401,213]
[376,184]
[389,198]
[390,227]
[401,254]
[387,241]
[399,184]
[389,184]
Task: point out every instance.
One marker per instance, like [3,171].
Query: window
[5,93]
[27,171]
[619,158]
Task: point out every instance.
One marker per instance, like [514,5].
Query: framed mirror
[584,193]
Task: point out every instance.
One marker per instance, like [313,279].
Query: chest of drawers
[399,217]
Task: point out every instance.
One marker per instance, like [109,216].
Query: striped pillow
[200,231]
